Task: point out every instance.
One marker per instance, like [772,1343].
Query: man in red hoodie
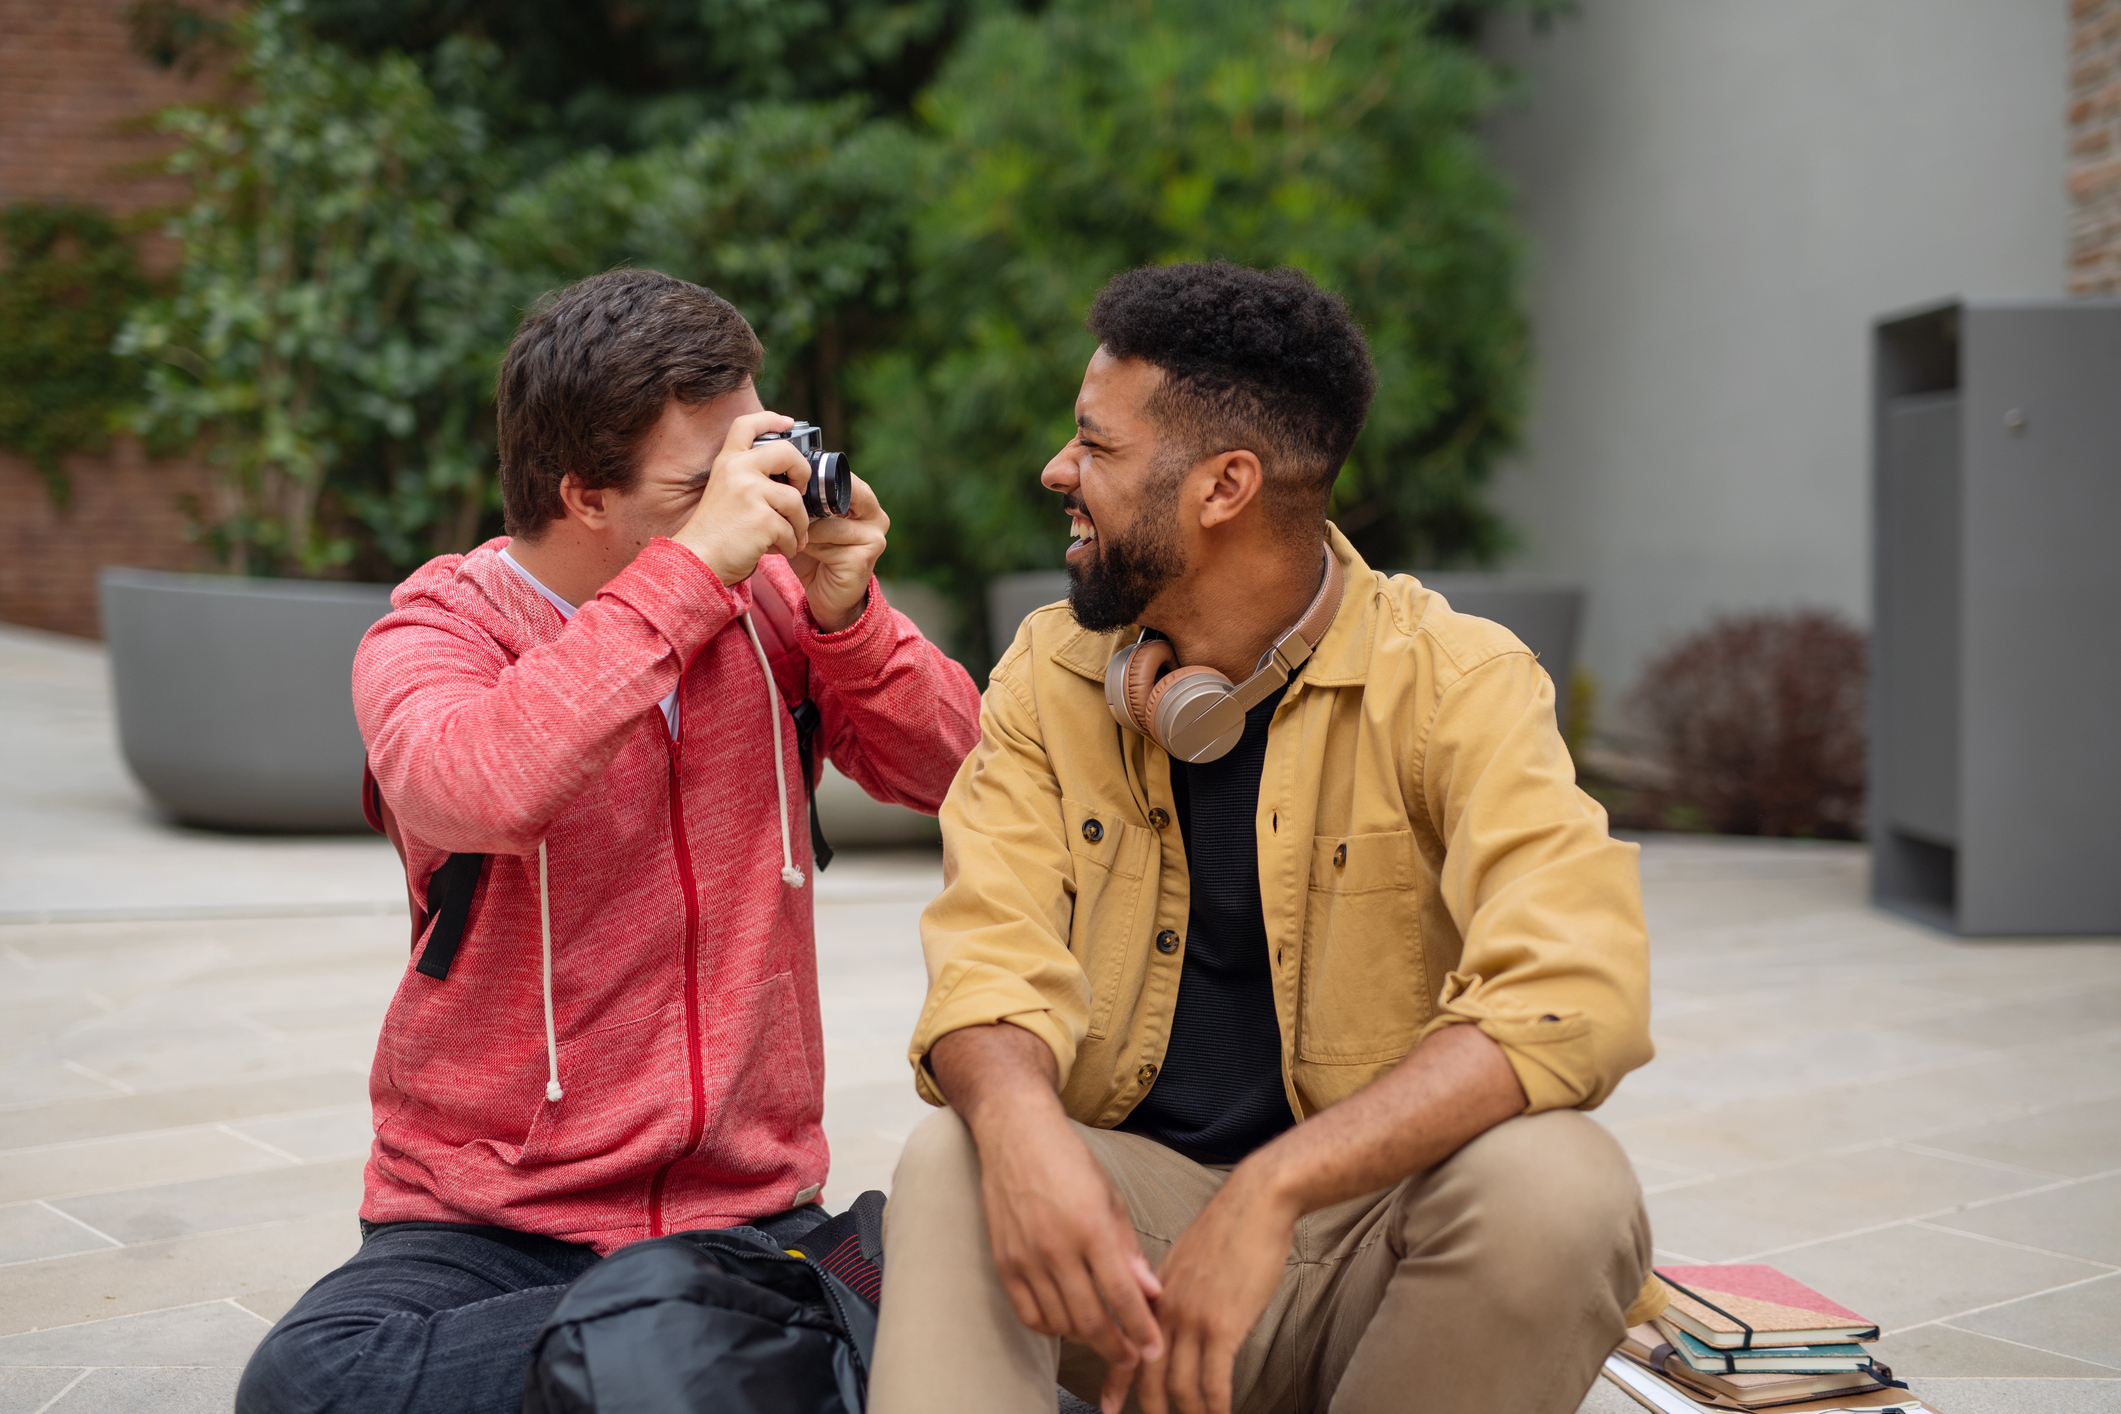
[588,727]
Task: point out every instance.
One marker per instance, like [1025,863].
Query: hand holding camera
[774,489]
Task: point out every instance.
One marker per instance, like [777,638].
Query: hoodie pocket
[623,1092]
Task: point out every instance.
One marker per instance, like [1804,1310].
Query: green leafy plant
[796,213]
[566,76]
[331,334]
[69,278]
[1334,135]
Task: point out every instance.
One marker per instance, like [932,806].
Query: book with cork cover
[1740,1306]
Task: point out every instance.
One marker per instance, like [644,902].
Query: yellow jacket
[1425,860]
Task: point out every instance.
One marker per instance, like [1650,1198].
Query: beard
[1111,588]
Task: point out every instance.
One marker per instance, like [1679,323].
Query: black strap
[1742,1324]
[1730,1365]
[807,721]
[449,893]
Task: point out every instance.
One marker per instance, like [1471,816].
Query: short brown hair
[591,369]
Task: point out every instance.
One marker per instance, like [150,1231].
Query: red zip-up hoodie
[684,971]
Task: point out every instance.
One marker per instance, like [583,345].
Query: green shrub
[330,335]
[69,278]
[1105,134]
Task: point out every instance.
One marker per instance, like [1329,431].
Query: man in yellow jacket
[1278,950]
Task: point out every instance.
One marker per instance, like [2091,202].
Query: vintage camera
[831,488]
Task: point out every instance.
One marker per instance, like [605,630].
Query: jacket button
[1146,1074]
[1093,831]
[1340,857]
[1167,941]
[1159,817]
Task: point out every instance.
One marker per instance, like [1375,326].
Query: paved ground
[1929,1130]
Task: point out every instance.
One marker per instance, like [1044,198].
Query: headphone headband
[1195,713]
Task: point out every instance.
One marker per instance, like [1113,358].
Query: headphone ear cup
[1150,658]
[1161,693]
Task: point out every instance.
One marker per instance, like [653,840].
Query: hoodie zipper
[692,980]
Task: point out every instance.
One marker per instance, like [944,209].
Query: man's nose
[1060,473]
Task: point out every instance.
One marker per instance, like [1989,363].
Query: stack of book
[1747,1337]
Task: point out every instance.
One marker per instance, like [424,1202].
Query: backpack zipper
[692,980]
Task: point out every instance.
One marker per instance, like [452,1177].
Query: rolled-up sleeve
[1555,968]
[996,938]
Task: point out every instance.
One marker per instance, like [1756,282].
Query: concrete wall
[1721,194]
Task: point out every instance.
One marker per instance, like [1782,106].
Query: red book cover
[1718,1304]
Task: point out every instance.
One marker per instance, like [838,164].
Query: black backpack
[723,1321]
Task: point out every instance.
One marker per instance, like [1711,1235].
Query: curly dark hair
[591,369]
[1264,360]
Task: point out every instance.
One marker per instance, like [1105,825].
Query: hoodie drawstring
[552,1046]
[790,875]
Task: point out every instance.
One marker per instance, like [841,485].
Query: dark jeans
[427,1318]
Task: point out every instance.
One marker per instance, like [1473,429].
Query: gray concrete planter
[1545,614]
[233,695]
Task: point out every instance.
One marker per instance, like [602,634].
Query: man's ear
[584,503]
[1234,482]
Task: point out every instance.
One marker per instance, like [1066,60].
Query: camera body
[831,488]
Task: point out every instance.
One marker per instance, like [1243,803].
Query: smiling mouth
[1085,533]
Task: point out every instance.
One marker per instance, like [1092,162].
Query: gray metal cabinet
[1995,763]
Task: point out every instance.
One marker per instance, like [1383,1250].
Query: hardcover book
[1775,1359]
[1645,1346]
[1745,1304]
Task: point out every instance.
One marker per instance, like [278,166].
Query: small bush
[1759,720]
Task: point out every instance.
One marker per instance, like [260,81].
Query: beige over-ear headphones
[1194,713]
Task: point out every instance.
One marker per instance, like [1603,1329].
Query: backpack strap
[807,721]
[449,888]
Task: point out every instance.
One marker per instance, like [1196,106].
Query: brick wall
[124,512]
[68,82]
[2095,147]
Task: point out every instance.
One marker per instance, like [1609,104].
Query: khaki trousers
[1495,1283]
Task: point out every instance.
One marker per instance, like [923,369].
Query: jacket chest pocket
[1363,990]
[1110,857]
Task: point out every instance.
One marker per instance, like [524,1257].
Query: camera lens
[831,488]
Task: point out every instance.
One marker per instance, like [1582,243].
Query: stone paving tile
[2076,1140]
[210,1333]
[343,1131]
[1764,1212]
[32,1231]
[2081,1219]
[1764,1069]
[164,1391]
[108,1114]
[1943,1351]
[32,1391]
[126,1160]
[2001,1396]
[1911,1273]
[2088,1006]
[2083,1321]
[167,1210]
[2045,1074]
[151,1276]
[272,1303]
[1729,1137]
